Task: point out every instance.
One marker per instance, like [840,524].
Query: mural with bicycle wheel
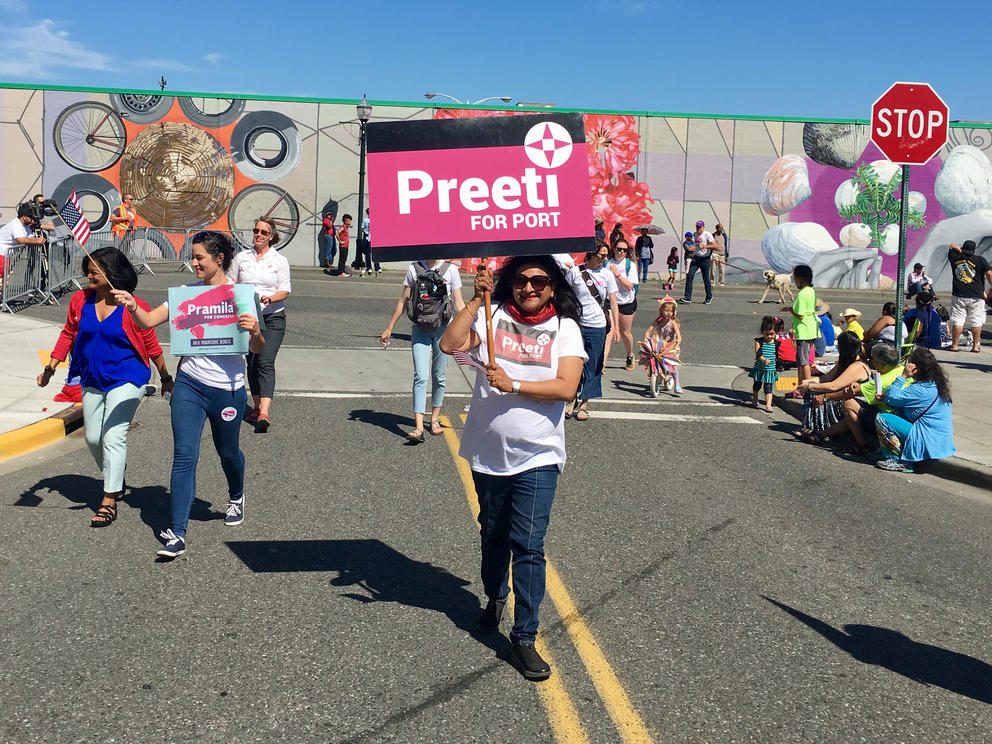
[190,162]
[787,191]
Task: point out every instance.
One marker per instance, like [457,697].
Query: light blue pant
[106,418]
[427,352]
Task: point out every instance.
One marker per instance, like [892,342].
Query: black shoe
[529,662]
[707,302]
[684,301]
[490,617]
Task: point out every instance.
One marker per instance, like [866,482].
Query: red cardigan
[143,340]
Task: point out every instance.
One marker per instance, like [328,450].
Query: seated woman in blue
[929,333]
[923,431]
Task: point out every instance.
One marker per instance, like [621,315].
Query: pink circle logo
[548,145]
[229,413]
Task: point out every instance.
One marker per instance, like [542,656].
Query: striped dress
[762,372]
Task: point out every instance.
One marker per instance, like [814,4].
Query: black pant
[262,366]
[342,258]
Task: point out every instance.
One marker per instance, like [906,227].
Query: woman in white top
[207,387]
[425,335]
[596,289]
[268,270]
[623,266]
[514,437]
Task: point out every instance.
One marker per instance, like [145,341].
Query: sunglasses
[539,283]
[619,250]
[260,232]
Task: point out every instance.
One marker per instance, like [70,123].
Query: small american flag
[467,360]
[72,213]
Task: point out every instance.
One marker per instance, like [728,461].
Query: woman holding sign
[111,356]
[268,270]
[208,387]
[514,437]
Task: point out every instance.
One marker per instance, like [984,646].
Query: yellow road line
[31,437]
[558,706]
[629,724]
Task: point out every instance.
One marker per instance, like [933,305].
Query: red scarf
[539,317]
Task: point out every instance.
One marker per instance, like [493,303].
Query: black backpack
[430,304]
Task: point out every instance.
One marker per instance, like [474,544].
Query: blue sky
[773,58]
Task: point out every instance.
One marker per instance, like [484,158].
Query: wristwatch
[515,386]
[165,378]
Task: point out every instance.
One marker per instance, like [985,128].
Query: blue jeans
[643,265]
[365,248]
[329,249]
[591,382]
[427,353]
[514,511]
[192,404]
[703,265]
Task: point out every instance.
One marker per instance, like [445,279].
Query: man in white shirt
[17,232]
[700,259]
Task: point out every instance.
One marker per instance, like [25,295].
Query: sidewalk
[29,418]
[970,377]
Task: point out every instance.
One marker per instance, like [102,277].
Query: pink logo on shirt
[523,344]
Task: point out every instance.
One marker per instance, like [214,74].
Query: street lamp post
[504,99]
[364,114]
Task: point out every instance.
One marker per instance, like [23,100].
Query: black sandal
[857,450]
[105,515]
[814,438]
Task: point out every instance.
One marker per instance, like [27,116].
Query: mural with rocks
[786,191]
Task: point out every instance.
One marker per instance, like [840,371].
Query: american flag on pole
[72,213]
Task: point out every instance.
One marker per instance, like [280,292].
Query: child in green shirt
[805,325]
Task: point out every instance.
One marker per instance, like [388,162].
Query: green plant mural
[876,204]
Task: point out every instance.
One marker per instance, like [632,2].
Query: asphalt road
[719,582]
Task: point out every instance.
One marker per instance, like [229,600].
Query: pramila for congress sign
[487,186]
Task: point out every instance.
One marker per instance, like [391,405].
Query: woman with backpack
[432,294]
[514,436]
[624,269]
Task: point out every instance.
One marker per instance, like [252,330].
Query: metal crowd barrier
[22,276]
[65,265]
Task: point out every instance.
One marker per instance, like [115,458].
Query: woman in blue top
[924,430]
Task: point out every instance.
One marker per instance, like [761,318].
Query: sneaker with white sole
[174,545]
[678,390]
[894,466]
[235,512]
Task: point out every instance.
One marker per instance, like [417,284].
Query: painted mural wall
[786,191]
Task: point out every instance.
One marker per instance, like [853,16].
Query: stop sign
[909,123]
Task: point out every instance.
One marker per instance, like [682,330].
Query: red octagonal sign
[909,123]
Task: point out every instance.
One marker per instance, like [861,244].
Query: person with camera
[18,232]
[43,204]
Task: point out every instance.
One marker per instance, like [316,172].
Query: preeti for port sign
[486,186]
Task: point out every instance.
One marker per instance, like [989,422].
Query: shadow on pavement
[152,502]
[921,662]
[718,394]
[382,573]
[389,421]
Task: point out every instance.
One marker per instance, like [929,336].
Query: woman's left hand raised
[498,378]
[124,299]
[248,322]
[909,370]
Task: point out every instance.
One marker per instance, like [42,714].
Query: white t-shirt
[630,274]
[451,276]
[703,238]
[13,229]
[504,433]
[269,274]
[593,315]
[224,371]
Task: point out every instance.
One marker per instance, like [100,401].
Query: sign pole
[488,305]
[901,281]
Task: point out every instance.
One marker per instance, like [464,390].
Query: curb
[950,468]
[41,433]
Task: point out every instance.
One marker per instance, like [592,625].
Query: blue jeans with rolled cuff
[514,511]
[427,354]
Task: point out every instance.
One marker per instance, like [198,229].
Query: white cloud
[213,58]
[164,64]
[40,50]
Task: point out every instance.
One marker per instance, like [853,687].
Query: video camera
[37,210]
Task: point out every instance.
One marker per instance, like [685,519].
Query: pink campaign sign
[537,190]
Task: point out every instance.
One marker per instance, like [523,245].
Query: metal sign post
[901,280]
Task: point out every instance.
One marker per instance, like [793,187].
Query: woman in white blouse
[268,270]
